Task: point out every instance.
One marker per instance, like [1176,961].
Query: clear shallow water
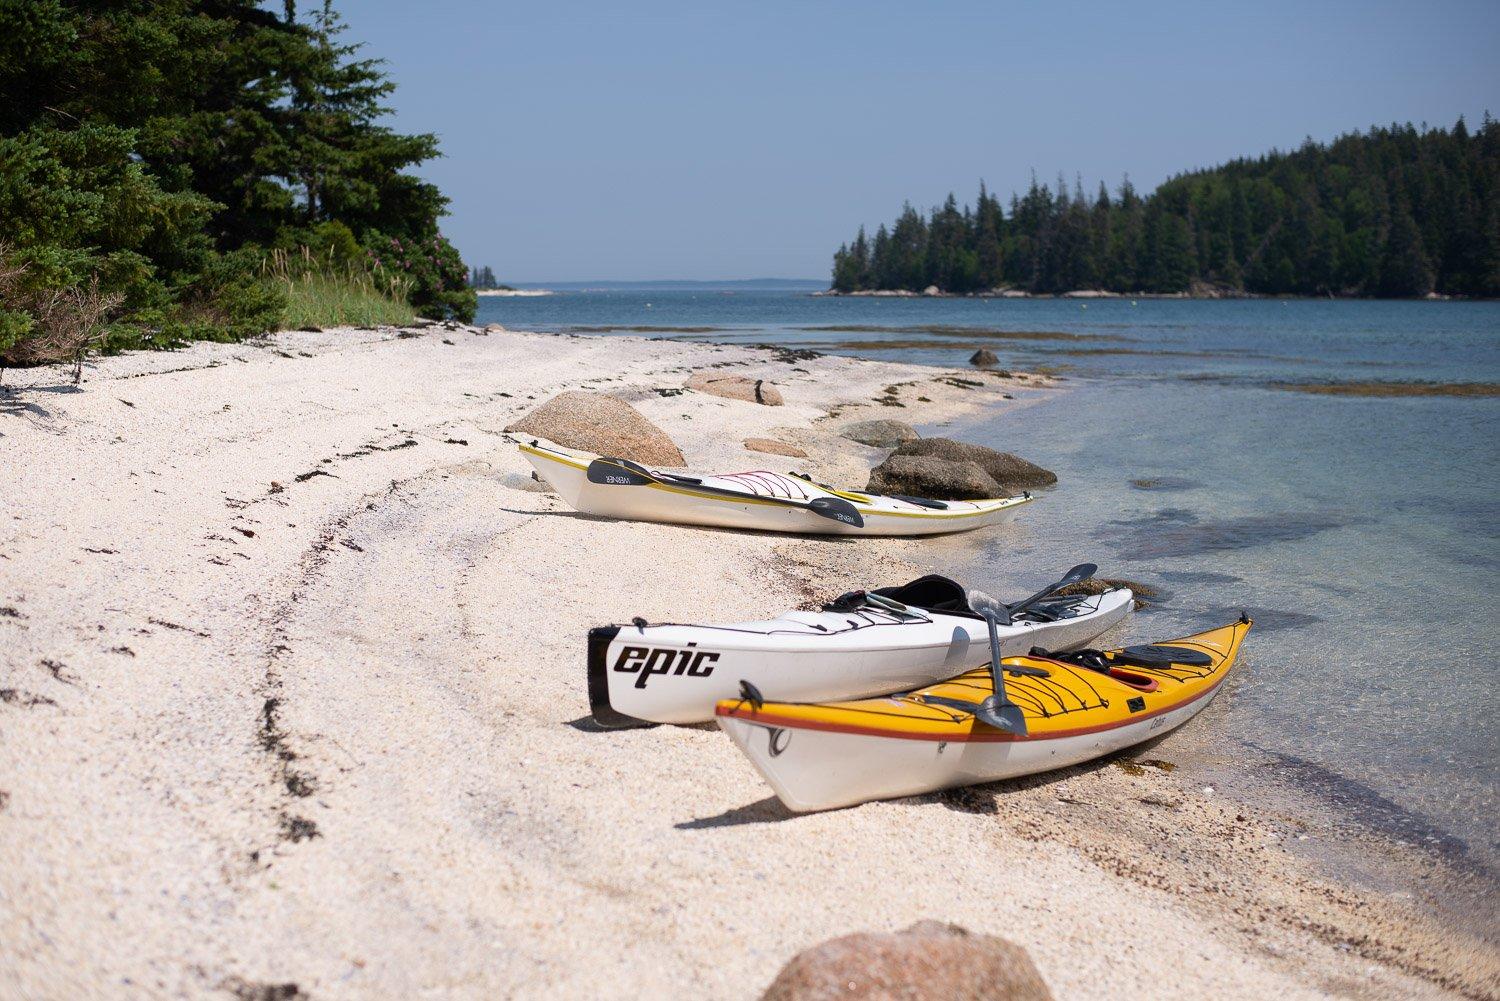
[1229,341]
[1363,534]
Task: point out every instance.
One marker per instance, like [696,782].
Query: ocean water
[1362,533]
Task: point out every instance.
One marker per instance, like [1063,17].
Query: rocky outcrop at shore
[928,476]
[984,357]
[1012,472]
[930,961]
[879,433]
[600,423]
[736,387]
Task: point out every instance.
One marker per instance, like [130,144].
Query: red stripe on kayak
[987,737]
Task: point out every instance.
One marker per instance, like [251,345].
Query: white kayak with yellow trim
[864,643]
[758,500]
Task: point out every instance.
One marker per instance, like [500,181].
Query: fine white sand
[291,657]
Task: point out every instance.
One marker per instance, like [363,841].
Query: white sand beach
[291,656]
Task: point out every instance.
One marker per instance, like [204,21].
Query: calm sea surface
[1363,534]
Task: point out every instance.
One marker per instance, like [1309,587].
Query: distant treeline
[1392,212]
[483,278]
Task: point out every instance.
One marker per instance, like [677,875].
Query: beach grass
[324,292]
[340,301]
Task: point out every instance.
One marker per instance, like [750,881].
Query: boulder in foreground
[1011,471]
[596,422]
[929,476]
[930,961]
[879,433]
[736,387]
[984,356]
[771,446]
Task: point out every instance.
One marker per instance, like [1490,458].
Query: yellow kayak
[819,756]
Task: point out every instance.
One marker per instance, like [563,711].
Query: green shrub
[440,280]
[45,317]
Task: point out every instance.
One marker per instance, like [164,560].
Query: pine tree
[1405,271]
[346,165]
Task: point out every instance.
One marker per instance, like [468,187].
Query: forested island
[180,170]
[1396,211]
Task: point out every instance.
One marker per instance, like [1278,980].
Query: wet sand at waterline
[291,650]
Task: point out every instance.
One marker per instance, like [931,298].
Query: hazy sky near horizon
[605,141]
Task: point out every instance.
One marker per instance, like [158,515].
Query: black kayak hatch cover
[1159,655]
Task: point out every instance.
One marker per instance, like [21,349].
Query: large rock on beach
[1010,471]
[930,961]
[880,433]
[736,387]
[596,422]
[984,357]
[931,477]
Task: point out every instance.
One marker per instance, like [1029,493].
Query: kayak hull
[677,673]
[755,501]
[838,755]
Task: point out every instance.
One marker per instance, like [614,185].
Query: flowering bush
[439,280]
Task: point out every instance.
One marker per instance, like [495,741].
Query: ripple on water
[1266,619]
[1165,483]
[1180,532]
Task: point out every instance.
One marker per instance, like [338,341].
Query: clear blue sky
[644,140]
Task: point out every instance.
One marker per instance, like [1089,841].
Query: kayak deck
[755,499]
[1070,701]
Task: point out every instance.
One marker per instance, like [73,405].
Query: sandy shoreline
[293,653]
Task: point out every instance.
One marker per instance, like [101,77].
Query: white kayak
[863,644]
[1074,707]
[758,499]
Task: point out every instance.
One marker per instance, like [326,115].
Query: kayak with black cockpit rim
[759,500]
[863,643]
[1073,707]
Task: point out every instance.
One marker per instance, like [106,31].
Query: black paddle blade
[1159,655]
[1005,716]
[1077,575]
[838,509]
[618,473]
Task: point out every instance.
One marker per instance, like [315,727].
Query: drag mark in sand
[295,781]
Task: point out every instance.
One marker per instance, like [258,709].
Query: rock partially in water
[596,422]
[1012,472]
[930,476]
[1098,585]
[930,961]
[879,433]
[770,446]
[983,357]
[736,387]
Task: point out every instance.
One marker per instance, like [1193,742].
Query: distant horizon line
[618,283]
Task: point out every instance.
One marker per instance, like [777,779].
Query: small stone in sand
[930,961]
[772,447]
[736,387]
